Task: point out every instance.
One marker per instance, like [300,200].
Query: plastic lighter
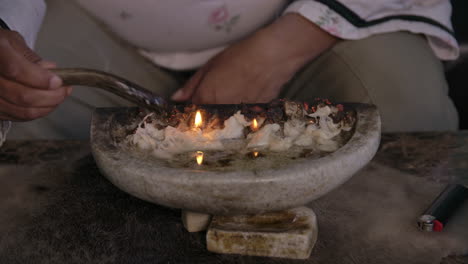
[442,208]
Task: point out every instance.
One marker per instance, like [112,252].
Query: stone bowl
[230,192]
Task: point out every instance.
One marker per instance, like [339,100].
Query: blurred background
[457,71]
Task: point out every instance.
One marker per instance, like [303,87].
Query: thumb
[47,64]
[189,88]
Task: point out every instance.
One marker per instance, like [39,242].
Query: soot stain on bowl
[224,162]
[124,124]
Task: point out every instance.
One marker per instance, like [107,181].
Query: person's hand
[254,69]
[27,89]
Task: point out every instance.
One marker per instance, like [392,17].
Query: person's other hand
[254,69]
[27,89]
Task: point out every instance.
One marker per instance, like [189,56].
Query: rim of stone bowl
[233,192]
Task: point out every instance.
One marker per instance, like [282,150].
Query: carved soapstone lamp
[247,211]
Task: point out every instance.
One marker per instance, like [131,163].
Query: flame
[198,119]
[255,154]
[199,157]
[254,124]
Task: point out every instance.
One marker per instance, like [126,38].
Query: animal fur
[56,213]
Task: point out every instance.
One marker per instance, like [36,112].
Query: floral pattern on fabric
[329,21]
[221,20]
[443,44]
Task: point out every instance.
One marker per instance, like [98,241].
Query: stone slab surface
[286,234]
[58,208]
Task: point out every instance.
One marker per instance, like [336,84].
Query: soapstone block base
[286,234]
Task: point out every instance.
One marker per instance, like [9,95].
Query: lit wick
[199,157]
[254,154]
[198,119]
[254,125]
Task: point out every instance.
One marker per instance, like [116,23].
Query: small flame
[254,125]
[198,119]
[255,154]
[199,157]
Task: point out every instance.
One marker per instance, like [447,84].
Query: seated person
[383,52]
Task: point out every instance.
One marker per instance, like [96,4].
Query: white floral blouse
[229,19]
[357,19]
[346,19]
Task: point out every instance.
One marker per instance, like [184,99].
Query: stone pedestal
[286,234]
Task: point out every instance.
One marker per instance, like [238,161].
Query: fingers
[208,96]
[28,90]
[7,117]
[187,91]
[18,113]
[52,65]
[20,95]
[16,65]
[47,64]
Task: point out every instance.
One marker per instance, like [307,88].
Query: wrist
[297,40]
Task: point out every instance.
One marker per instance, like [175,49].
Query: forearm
[296,40]
[254,69]
[24,16]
